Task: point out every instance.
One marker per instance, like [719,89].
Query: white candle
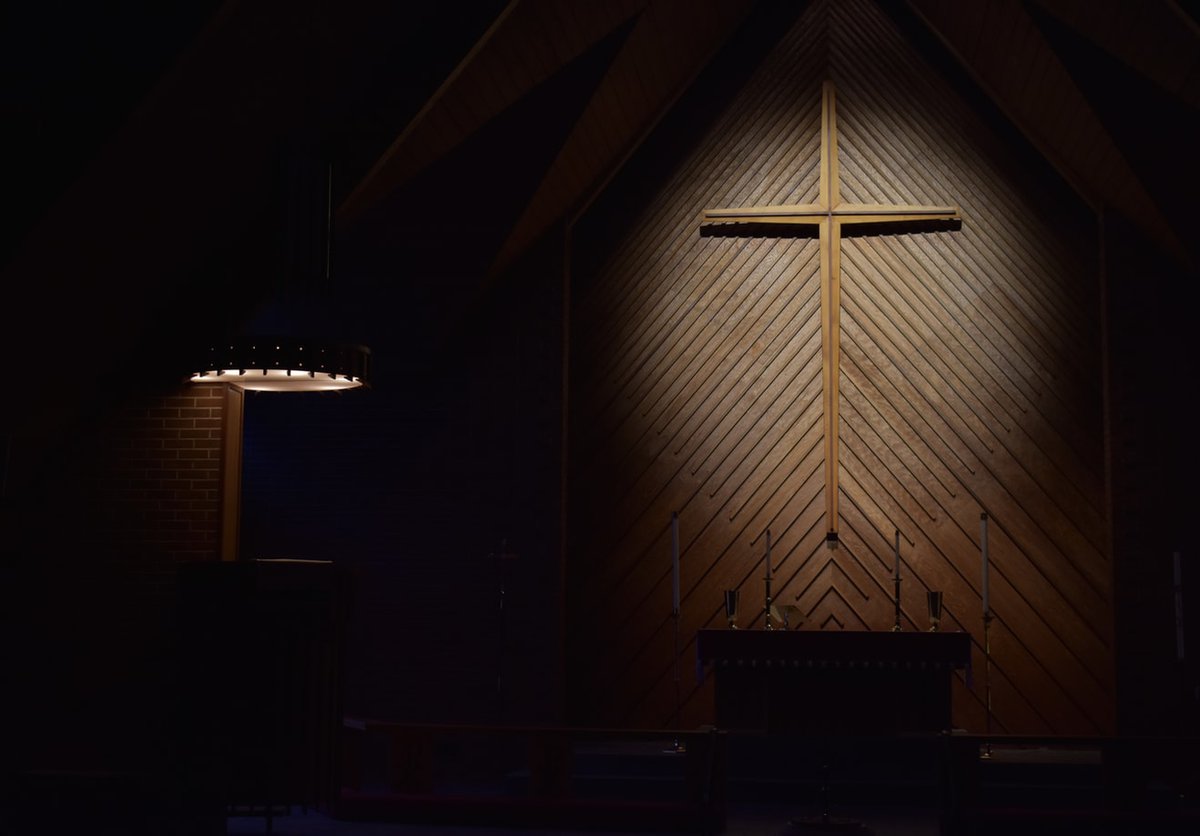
[675,562]
[983,544]
[768,554]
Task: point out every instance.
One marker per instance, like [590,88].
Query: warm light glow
[279,380]
[284,364]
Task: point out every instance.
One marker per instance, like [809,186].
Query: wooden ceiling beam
[529,41]
[1098,173]
[669,46]
[1152,39]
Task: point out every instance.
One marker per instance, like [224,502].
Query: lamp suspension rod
[328,219]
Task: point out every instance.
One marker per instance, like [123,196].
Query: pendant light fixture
[292,361]
[286,364]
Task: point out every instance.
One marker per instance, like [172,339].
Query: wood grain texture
[830,214]
[969,381]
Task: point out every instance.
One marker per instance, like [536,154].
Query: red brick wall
[97,524]
[163,476]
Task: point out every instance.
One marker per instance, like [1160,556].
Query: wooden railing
[533,776]
[1122,785]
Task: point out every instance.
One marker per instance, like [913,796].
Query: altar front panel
[827,682]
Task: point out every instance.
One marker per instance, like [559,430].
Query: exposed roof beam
[1040,98]
[1147,37]
[669,46]
[529,41]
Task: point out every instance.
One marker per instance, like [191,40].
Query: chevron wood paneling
[970,381]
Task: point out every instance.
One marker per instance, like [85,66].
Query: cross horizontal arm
[801,214]
[874,213]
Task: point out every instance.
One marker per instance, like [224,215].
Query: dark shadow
[758,230]
[901,228]
[781,230]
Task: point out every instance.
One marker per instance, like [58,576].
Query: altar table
[842,682]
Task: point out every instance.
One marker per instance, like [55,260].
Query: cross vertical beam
[829,214]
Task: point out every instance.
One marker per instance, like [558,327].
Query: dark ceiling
[75,73]
[146,137]
[352,77]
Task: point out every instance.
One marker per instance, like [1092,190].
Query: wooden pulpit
[832,682]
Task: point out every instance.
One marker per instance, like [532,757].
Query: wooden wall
[970,379]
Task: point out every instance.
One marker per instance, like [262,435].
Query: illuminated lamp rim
[284,364]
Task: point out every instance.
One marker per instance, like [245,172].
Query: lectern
[850,682]
[261,680]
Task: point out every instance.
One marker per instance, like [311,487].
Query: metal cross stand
[502,558]
[987,682]
[987,640]
[767,587]
[678,747]
[896,623]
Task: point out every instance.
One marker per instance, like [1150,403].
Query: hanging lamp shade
[285,364]
[284,351]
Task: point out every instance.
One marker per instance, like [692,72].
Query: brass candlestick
[935,610]
[731,607]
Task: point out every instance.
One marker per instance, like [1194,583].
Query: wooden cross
[829,214]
